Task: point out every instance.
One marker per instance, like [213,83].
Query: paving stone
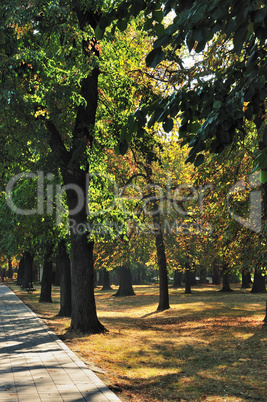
[35,365]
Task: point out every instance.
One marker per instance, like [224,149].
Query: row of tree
[96,101]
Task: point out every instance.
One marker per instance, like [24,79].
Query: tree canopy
[215,106]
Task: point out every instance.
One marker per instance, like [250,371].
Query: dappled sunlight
[207,345]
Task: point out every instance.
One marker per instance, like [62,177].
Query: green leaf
[158,15]
[123,147]
[239,38]
[217,104]
[190,40]
[148,24]
[191,158]
[122,25]
[99,33]
[136,7]
[174,110]
[159,29]
[263,176]
[141,133]
[199,160]
[168,125]
[258,15]
[164,40]
[154,57]
[201,46]
[195,127]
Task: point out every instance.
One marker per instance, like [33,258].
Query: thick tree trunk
[246,280]
[177,280]
[46,286]
[3,274]
[188,278]
[215,274]
[125,288]
[258,283]
[225,280]
[64,273]
[21,271]
[83,309]
[106,280]
[10,269]
[57,274]
[28,266]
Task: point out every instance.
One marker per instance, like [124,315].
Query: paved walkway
[35,365]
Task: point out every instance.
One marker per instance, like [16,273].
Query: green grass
[209,346]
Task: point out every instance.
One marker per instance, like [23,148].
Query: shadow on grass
[201,371]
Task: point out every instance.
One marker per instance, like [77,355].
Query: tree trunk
[3,274]
[137,276]
[83,308]
[64,273]
[57,274]
[225,280]
[193,274]
[265,318]
[28,266]
[21,271]
[74,165]
[177,280]
[46,286]
[162,264]
[106,280]
[216,274]
[10,269]
[188,278]
[259,283]
[125,288]
[83,316]
[203,275]
[246,280]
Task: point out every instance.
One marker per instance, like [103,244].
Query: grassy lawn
[209,346]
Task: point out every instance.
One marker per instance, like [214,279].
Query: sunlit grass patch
[208,346]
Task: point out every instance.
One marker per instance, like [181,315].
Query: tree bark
[188,278]
[125,288]
[106,280]
[265,318]
[177,280]
[203,275]
[3,274]
[83,309]
[10,269]
[64,273]
[46,286]
[28,266]
[225,279]
[246,280]
[162,263]
[258,283]
[57,274]
[215,274]
[21,271]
